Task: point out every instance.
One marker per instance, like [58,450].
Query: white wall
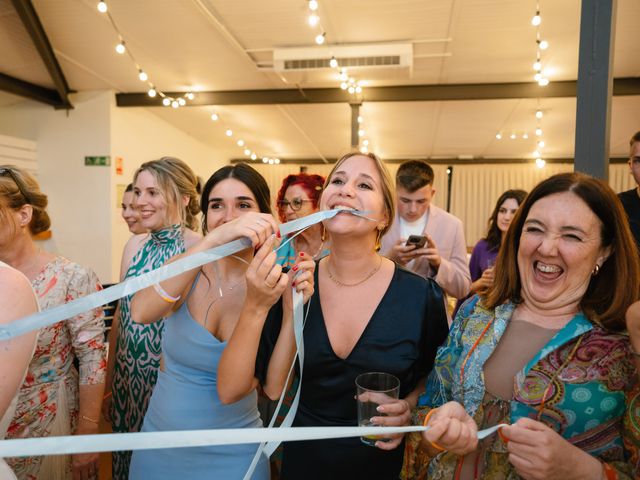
[85,213]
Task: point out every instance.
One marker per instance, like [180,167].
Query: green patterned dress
[138,347]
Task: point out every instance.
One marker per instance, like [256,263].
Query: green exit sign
[103,161]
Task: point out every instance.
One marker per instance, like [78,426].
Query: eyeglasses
[8,172]
[295,204]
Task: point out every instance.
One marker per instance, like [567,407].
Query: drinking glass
[374,389]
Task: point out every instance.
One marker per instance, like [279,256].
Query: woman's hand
[300,278]
[538,452]
[85,466]
[452,429]
[258,227]
[265,280]
[397,414]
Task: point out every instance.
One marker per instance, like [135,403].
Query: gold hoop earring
[378,239]
[596,270]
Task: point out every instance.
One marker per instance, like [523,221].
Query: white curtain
[474,189]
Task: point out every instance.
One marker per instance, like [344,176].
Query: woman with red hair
[298,197]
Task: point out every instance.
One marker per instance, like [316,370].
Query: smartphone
[417,241]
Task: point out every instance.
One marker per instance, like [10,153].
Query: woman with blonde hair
[166,196]
[54,399]
[366,315]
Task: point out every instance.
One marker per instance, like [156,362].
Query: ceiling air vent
[393,55]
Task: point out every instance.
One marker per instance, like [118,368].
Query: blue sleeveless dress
[186,398]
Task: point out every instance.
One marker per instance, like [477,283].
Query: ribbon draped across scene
[268,438]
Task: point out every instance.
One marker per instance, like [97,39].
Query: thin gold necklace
[342,284]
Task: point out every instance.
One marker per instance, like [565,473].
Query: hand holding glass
[374,389]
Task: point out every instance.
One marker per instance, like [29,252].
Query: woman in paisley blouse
[545,351]
[166,196]
[54,399]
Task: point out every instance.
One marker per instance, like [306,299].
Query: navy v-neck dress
[401,338]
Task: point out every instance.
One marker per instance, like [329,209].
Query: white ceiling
[228,45]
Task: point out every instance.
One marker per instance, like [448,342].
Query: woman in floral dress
[166,196]
[55,399]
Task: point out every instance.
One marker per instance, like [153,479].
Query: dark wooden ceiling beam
[31,22]
[29,90]
[404,93]
[432,161]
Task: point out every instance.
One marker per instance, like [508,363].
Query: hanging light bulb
[358,89]
[361,132]
[541,144]
[190,96]
[352,90]
[333,63]
[540,163]
[543,82]
[247,152]
[313,20]
[543,45]
[512,136]
[525,135]
[265,159]
[228,132]
[499,136]
[365,143]
[102,7]
[215,117]
[276,161]
[343,75]
[240,143]
[313,5]
[175,104]
[344,85]
[253,156]
[143,76]
[166,101]
[537,77]
[364,149]
[120,48]
[536,20]
[536,153]
[538,132]
[152,92]
[320,38]
[537,66]
[539,114]
[182,102]
[271,161]
[360,119]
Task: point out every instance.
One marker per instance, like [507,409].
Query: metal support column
[595,80]
[355,126]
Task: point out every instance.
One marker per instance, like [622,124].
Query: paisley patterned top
[138,347]
[593,402]
[48,402]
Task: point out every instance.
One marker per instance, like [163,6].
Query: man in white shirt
[444,255]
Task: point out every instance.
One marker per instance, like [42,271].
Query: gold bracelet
[164,295]
[88,419]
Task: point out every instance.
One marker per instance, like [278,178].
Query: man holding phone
[425,238]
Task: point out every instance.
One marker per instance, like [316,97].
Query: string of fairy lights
[541,76]
[153,91]
[347,82]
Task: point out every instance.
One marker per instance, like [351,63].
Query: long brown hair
[617,284]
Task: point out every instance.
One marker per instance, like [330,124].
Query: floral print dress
[48,401]
[589,392]
[138,347]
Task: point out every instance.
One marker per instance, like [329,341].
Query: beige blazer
[446,230]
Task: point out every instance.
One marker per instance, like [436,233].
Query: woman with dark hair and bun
[204,307]
[165,193]
[54,399]
[298,197]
